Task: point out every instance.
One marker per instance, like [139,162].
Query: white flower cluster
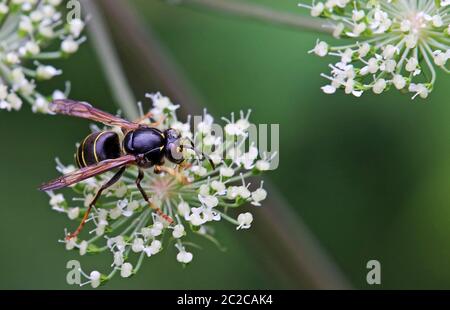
[395,44]
[27,28]
[199,195]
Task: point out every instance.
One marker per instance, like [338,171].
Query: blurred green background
[370,177]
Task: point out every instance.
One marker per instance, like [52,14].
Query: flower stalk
[258,13]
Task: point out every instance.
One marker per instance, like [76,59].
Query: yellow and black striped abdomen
[96,147]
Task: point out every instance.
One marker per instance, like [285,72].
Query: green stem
[109,59]
[260,13]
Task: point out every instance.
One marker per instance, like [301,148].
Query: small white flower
[56,200]
[122,208]
[32,48]
[399,81]
[69,46]
[204,190]
[389,66]
[3,8]
[12,58]
[358,29]
[243,192]
[357,15]
[76,27]
[245,220]
[47,72]
[379,86]
[210,201]
[440,58]
[73,213]
[321,49]
[437,21]
[154,248]
[364,49]
[3,92]
[411,65]
[161,104]
[183,256]
[263,165]
[373,65]
[178,231]
[156,229]
[346,56]
[146,232]
[138,245]
[337,32]
[390,51]
[218,186]
[317,9]
[14,101]
[183,208]
[329,89]
[46,31]
[126,270]
[118,259]
[83,247]
[40,105]
[199,170]
[26,25]
[419,90]
[57,94]
[259,195]
[95,278]
[71,244]
[226,172]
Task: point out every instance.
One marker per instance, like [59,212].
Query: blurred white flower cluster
[198,195]
[394,44]
[27,29]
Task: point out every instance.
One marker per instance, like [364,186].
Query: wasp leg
[158,211]
[184,165]
[111,182]
[177,174]
[147,116]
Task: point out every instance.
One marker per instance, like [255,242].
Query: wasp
[141,145]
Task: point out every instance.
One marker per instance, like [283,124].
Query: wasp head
[173,147]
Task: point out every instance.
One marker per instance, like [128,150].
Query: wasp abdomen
[97,147]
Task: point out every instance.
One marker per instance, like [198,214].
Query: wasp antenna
[201,153]
[209,160]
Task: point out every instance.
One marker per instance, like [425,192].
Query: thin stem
[47,56]
[260,13]
[111,65]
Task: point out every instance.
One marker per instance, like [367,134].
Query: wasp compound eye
[174,152]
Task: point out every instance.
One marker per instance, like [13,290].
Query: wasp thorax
[146,142]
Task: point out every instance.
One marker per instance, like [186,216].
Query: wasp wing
[85,110]
[87,172]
